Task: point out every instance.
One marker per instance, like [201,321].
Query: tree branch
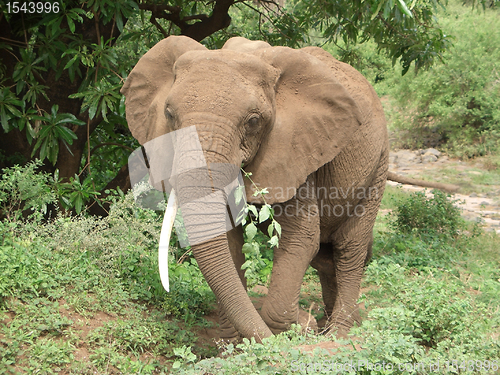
[110,144]
[207,25]
[153,20]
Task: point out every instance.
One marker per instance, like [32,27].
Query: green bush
[458,102]
[25,189]
[431,308]
[427,216]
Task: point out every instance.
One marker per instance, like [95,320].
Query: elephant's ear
[149,83]
[240,44]
[315,119]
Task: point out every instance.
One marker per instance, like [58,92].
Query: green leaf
[13,110]
[44,131]
[265,213]
[238,194]
[404,8]
[79,204]
[270,229]
[253,209]
[66,134]
[71,25]
[247,248]
[4,119]
[277,226]
[71,62]
[250,231]
[93,108]
[53,152]
[273,241]
[119,22]
[43,149]
[378,9]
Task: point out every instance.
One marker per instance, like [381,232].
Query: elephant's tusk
[166,231]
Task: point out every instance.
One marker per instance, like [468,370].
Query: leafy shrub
[138,334]
[365,58]
[28,192]
[25,189]
[459,100]
[190,296]
[23,270]
[427,216]
[120,249]
[432,306]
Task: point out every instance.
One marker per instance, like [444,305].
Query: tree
[62,66]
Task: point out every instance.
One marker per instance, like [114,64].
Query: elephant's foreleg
[235,241]
[299,243]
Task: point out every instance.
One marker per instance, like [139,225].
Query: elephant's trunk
[216,264]
[203,204]
[217,267]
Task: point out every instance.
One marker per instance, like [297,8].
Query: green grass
[392,195]
[85,285]
[82,296]
[480,176]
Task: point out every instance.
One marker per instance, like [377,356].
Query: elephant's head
[280,112]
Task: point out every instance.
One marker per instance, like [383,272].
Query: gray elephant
[309,128]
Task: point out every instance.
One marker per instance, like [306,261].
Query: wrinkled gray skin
[295,119]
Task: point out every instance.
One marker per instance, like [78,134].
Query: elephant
[309,128]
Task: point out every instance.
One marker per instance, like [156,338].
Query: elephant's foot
[228,334]
[282,324]
[339,323]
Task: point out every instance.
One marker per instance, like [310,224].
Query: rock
[484,203]
[473,195]
[393,158]
[443,158]
[429,158]
[432,151]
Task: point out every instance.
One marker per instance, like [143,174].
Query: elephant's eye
[253,121]
[168,114]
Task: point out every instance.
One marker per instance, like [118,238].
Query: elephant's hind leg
[352,244]
[323,263]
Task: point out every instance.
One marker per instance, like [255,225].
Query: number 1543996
[32,7]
